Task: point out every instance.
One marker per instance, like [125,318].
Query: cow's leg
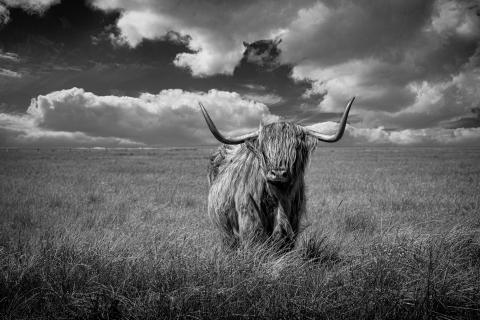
[250,227]
[283,233]
[297,211]
[222,212]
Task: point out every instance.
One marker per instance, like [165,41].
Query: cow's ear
[310,143]
[246,44]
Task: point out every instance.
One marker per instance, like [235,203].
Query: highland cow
[257,185]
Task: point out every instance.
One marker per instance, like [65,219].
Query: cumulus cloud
[429,136]
[170,117]
[419,137]
[75,117]
[21,130]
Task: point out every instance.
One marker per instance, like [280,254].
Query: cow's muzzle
[278,175]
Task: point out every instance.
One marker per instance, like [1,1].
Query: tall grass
[106,236]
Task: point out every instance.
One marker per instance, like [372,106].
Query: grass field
[390,233]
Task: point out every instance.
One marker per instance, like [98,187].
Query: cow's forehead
[280,130]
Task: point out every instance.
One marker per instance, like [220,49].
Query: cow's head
[281,147]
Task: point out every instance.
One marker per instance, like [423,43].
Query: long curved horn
[337,136]
[219,136]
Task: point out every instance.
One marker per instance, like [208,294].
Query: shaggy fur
[242,203]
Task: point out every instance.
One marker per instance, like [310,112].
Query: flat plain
[124,234]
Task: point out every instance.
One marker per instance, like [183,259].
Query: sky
[130,73]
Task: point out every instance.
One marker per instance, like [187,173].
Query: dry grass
[391,233]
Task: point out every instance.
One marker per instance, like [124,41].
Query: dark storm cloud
[264,53]
[337,31]
[472,121]
[61,33]
[52,45]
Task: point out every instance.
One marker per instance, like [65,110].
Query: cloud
[416,137]
[264,53]
[451,17]
[75,117]
[392,57]
[216,29]
[268,98]
[9,56]
[9,60]
[255,87]
[324,32]
[21,130]
[259,93]
[360,78]
[31,6]
[209,57]
[9,73]
[435,104]
[411,64]
[430,136]
[4,14]
[332,32]
[170,117]
[471,121]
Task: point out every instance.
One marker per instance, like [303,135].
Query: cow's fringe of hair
[293,150]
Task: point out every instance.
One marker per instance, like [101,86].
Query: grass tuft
[359,222]
[319,249]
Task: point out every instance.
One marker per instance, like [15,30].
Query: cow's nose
[278,173]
